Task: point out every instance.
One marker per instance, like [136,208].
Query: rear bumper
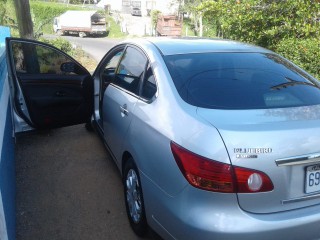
[198,214]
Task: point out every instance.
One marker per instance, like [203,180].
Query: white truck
[82,23]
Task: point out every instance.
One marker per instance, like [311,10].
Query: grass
[114,28]
[84,59]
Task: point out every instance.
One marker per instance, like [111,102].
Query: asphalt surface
[96,47]
[68,188]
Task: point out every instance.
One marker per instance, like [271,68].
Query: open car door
[49,89]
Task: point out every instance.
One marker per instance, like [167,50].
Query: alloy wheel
[133,196]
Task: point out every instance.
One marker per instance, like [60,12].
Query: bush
[77,53]
[62,44]
[263,22]
[114,29]
[154,17]
[303,52]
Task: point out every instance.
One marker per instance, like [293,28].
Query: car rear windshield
[241,81]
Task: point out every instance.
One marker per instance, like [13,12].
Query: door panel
[55,100]
[118,107]
[55,89]
[120,98]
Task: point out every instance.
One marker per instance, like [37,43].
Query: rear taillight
[251,181]
[215,176]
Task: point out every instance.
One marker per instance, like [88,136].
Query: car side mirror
[68,67]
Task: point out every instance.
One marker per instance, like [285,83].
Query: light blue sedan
[214,139]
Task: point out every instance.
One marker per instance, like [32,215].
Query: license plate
[313,179]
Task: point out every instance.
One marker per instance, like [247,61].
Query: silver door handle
[124,109]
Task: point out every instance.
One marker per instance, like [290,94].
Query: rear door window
[131,70]
[149,86]
[241,81]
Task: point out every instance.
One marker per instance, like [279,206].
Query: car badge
[251,152]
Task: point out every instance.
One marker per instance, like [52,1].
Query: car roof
[173,46]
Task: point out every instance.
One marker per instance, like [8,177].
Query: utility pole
[23,14]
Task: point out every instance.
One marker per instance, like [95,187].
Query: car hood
[258,139]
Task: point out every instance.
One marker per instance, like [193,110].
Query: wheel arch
[126,156]
[140,227]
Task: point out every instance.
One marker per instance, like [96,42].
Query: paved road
[68,188]
[96,47]
[135,25]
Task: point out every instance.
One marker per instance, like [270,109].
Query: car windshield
[241,81]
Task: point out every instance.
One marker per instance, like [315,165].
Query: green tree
[263,22]
[154,18]
[192,7]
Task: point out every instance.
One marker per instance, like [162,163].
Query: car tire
[134,199]
[82,34]
[59,32]
[88,126]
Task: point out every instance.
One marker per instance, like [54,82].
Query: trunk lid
[282,143]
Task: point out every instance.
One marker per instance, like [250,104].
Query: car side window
[149,86]
[30,58]
[108,71]
[112,63]
[131,70]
